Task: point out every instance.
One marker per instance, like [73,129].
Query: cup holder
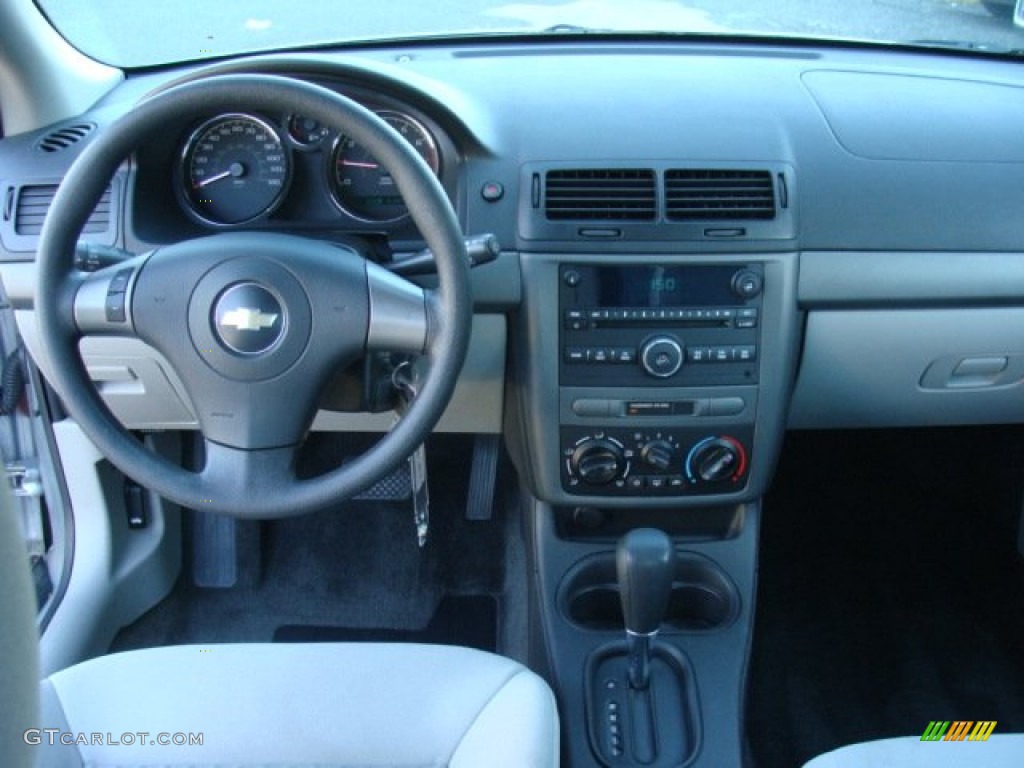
[703,598]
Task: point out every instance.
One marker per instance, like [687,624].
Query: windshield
[134,34]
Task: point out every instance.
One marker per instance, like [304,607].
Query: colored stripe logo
[958,730]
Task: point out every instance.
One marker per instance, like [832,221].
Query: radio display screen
[663,286]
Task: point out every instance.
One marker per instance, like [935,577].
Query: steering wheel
[253,323]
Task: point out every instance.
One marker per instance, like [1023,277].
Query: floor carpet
[890,589]
[356,568]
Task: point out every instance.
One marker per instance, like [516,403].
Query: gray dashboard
[894,285]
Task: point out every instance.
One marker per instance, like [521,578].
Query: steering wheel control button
[115,309]
[120,282]
[661,356]
[249,319]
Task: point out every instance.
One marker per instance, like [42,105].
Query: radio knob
[747,284]
[597,461]
[661,356]
[658,454]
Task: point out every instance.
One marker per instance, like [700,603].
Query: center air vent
[34,202]
[718,194]
[601,195]
[62,138]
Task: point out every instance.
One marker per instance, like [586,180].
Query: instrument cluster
[237,168]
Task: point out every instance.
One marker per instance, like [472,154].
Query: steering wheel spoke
[232,477]
[102,299]
[398,313]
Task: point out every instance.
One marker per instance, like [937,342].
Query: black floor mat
[890,590]
[355,566]
[467,620]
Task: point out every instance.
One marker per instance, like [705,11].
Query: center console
[649,392]
[681,332]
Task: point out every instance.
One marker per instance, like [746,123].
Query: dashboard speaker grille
[62,138]
[34,202]
[601,194]
[718,194]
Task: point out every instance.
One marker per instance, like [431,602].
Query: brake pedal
[395,487]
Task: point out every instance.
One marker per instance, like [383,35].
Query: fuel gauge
[306,132]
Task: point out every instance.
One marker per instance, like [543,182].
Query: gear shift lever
[644,563]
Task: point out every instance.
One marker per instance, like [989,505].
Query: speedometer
[234,169]
[364,188]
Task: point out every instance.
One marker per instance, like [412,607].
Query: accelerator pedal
[482,478]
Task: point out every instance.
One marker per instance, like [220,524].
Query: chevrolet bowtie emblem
[245,319]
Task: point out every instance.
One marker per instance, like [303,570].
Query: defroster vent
[718,194]
[601,194]
[62,138]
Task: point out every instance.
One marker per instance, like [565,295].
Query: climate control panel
[654,462]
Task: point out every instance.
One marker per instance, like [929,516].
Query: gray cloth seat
[272,706]
[283,705]
[1000,751]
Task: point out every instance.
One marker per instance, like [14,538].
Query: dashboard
[702,245]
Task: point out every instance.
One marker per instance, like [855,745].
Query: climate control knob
[597,461]
[659,454]
[661,356]
[715,460]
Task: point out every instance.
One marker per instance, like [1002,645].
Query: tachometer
[234,169]
[362,187]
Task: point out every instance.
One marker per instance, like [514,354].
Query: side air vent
[600,195]
[62,138]
[714,194]
[34,201]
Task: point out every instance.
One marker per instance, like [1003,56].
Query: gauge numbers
[362,187]
[234,169]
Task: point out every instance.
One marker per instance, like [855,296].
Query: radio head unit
[659,325]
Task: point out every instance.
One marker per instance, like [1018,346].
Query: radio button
[746,317]
[575,355]
[721,354]
[698,354]
[599,355]
[726,406]
[575,320]
[625,355]
[591,407]
[745,354]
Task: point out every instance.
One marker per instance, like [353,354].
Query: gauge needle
[357,164]
[235,170]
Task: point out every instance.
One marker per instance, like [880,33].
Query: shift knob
[644,562]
